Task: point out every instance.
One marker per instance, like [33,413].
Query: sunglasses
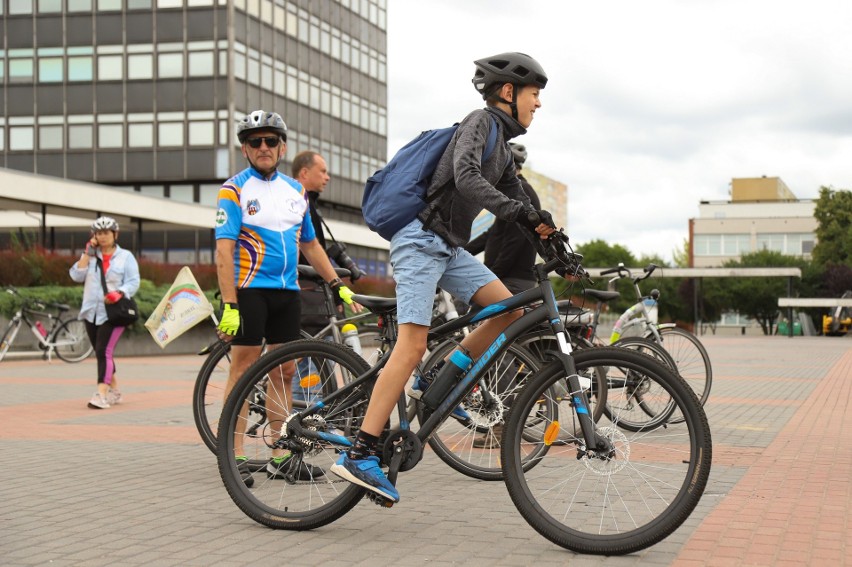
[271,141]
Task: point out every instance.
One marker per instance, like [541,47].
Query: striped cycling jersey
[267,218]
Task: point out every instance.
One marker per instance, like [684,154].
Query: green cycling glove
[230,322]
[344,292]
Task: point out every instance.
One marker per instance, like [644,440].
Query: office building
[143,95]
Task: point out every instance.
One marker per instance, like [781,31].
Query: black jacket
[508,250]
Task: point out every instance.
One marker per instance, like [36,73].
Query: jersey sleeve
[307,233]
[228,212]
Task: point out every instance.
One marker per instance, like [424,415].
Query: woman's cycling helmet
[105,223]
[261,120]
[515,68]
[519,153]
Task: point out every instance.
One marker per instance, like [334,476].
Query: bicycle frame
[547,311]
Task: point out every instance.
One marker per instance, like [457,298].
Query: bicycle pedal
[379,500]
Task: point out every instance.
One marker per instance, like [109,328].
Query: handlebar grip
[533,218]
[609,271]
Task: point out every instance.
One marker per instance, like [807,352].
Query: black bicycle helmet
[519,153]
[261,120]
[515,68]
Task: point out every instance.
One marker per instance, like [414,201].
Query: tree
[833,212]
[680,255]
[756,297]
[600,254]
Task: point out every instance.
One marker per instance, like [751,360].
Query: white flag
[183,307]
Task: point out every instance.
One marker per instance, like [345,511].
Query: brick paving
[133,485]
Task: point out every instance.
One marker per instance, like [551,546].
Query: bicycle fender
[667,325]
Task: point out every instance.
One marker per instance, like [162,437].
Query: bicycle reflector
[551,433]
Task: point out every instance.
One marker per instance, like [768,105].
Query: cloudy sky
[650,107]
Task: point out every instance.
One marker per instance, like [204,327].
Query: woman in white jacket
[122,279]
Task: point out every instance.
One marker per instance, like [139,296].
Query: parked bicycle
[209,390]
[587,487]
[66,338]
[689,356]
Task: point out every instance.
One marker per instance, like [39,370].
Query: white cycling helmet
[105,223]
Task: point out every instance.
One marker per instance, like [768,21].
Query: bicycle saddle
[603,296]
[376,304]
[310,273]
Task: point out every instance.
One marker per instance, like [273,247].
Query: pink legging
[104,337]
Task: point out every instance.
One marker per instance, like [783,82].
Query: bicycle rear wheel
[71,342]
[618,500]
[256,415]
[472,446]
[691,358]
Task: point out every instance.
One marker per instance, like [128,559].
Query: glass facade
[147,92]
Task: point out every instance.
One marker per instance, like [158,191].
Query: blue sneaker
[366,473]
[419,386]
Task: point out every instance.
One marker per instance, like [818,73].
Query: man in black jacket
[508,251]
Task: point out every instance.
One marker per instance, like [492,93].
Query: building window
[182,193]
[201,64]
[109,5]
[79,136]
[201,133]
[50,69]
[20,7]
[2,135]
[170,65]
[152,190]
[79,5]
[170,133]
[47,6]
[110,68]
[140,66]
[140,135]
[21,138]
[80,68]
[110,136]
[138,4]
[50,137]
[773,242]
[21,69]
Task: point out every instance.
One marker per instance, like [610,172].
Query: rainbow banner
[183,307]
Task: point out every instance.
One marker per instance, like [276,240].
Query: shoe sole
[341,471]
[93,406]
[277,476]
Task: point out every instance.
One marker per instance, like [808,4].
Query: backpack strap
[490,145]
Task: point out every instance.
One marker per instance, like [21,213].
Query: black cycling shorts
[273,314]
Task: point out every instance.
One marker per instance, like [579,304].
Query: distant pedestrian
[104,256]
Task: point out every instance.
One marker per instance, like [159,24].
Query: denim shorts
[422,261]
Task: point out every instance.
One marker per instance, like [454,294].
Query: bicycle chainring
[410,445]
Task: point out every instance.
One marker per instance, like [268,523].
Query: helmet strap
[513,104]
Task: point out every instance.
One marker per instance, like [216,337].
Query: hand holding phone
[91,246]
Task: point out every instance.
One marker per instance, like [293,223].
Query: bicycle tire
[9,336]
[297,505]
[630,389]
[71,342]
[614,503]
[691,358]
[208,394]
[454,440]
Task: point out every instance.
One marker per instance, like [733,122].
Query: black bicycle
[592,488]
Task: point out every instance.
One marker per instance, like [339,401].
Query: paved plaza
[134,485]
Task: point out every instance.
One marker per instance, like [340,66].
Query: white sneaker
[98,402]
[113,397]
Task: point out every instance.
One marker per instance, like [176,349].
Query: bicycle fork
[577,388]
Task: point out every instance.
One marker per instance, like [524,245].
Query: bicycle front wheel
[633,490]
[9,336]
[71,342]
[208,395]
[304,494]
[691,358]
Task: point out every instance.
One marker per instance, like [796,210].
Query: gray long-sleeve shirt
[472,186]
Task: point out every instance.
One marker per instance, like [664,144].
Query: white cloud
[651,107]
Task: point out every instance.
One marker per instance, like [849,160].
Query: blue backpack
[395,194]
